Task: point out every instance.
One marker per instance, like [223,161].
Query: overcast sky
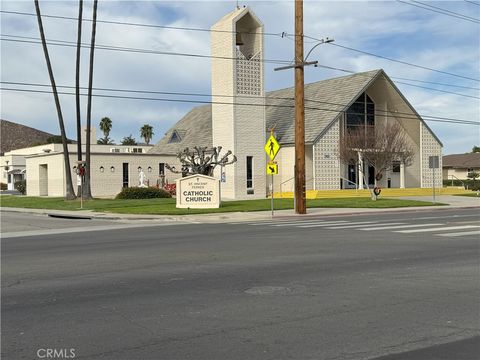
[389,28]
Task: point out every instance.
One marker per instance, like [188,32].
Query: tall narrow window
[161,168]
[125,175]
[249,174]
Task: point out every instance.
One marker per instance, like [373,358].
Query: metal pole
[300,206]
[433,184]
[272,196]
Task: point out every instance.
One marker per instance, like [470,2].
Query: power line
[34,40]
[439,10]
[377,111]
[155,26]
[444,120]
[472,2]
[403,62]
[72,44]
[401,82]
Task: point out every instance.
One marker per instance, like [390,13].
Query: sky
[448,43]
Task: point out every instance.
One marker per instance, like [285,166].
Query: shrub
[21,186]
[171,188]
[3,186]
[466,183]
[142,193]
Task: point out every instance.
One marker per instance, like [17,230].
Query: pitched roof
[194,129]
[463,161]
[331,97]
[17,136]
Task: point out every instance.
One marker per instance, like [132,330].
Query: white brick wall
[430,147]
[327,162]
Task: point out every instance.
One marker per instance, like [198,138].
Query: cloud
[389,28]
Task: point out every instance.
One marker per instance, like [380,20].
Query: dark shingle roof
[330,97]
[16,136]
[462,161]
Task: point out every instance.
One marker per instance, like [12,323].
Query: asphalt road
[392,286]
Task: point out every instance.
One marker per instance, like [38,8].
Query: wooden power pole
[300,204]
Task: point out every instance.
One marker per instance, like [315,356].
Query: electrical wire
[156,26]
[402,62]
[72,44]
[63,43]
[377,111]
[472,2]
[444,120]
[439,10]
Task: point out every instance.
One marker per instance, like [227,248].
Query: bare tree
[202,160]
[70,193]
[380,147]
[87,187]
[77,85]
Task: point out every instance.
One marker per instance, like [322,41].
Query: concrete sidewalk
[452,201]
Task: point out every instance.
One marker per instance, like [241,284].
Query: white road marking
[465,233]
[398,227]
[278,222]
[361,225]
[438,229]
[327,223]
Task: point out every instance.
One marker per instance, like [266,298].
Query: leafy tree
[129,140]
[55,139]
[473,175]
[69,192]
[146,132]
[476,149]
[105,141]
[105,126]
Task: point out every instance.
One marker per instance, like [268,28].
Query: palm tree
[105,126]
[146,132]
[87,188]
[69,192]
[77,86]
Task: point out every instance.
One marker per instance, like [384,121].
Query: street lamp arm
[323,41]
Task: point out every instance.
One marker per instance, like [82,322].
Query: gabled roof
[329,99]
[462,161]
[194,129]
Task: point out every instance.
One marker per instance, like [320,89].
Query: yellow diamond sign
[272,168]
[272,147]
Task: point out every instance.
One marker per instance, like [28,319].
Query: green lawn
[167,206]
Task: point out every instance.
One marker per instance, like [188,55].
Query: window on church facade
[361,113]
[249,174]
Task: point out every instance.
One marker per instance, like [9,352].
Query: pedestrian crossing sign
[272,168]
[271,147]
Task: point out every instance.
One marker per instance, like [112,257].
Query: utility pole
[300,63]
[300,203]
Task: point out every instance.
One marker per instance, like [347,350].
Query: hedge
[470,184]
[142,193]
[21,186]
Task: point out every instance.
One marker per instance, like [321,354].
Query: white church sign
[198,192]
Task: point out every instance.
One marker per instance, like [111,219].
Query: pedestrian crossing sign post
[271,147]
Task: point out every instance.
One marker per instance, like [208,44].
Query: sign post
[433,163]
[80,175]
[271,148]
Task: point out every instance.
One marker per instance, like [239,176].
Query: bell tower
[238,96]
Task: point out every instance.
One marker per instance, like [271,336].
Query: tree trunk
[70,194]
[77,87]
[87,187]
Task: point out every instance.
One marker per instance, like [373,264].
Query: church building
[242,114]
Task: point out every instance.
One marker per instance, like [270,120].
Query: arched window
[361,113]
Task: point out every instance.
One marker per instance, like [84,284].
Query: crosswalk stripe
[360,225]
[278,222]
[465,233]
[438,229]
[381,227]
[327,223]
[302,223]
